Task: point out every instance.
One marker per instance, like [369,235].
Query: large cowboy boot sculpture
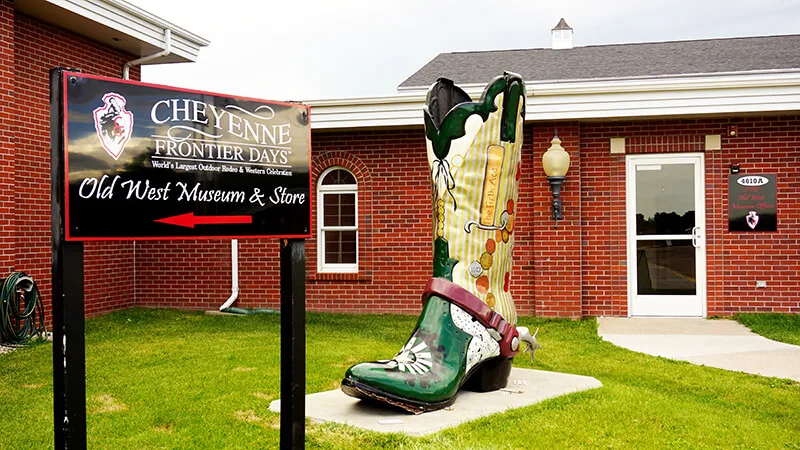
[466,335]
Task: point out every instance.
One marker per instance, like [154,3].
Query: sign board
[131,160]
[752,205]
[152,162]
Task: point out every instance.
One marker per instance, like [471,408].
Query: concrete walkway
[525,387]
[724,344]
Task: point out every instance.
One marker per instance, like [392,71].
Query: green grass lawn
[182,380]
[778,327]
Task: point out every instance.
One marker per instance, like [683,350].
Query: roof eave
[118,24]
[671,79]
[763,91]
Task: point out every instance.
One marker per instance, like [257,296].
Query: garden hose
[21,310]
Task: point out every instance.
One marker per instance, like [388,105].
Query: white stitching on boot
[482,346]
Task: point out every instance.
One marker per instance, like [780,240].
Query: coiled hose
[21,310]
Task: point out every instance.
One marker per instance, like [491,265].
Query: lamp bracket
[555,187]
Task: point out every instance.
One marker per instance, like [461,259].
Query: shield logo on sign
[752,220]
[114,124]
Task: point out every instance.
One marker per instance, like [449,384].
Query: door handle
[696,237]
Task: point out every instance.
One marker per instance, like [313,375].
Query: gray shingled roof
[615,61]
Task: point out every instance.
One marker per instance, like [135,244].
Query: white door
[666,235]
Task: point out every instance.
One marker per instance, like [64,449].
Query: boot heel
[490,376]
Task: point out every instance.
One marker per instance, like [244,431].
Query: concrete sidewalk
[525,387]
[724,344]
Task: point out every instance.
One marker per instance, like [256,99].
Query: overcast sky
[320,49]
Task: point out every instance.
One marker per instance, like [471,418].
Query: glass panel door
[666,251]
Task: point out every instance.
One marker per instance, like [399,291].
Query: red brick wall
[763,145]
[603,199]
[603,269]
[580,268]
[37,48]
[557,249]
[524,268]
[394,240]
[734,260]
[259,279]
[395,230]
[7,129]
[394,222]
[186,274]
[577,269]
[395,257]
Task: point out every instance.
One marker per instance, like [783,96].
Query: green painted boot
[466,335]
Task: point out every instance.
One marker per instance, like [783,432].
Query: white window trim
[322,266]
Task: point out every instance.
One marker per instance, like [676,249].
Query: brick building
[652,129]
[654,132]
[97,37]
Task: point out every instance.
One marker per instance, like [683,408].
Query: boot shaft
[474,151]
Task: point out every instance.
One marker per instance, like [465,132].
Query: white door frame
[664,305]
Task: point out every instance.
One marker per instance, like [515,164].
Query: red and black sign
[752,205]
[153,162]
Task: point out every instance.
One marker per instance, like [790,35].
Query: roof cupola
[562,35]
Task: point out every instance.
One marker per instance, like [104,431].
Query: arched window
[337,221]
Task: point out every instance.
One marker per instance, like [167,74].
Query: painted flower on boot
[414,357]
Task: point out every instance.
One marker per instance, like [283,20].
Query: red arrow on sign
[189,220]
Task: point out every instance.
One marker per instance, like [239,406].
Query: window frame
[322,265]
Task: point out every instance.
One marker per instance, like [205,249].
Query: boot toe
[386,378]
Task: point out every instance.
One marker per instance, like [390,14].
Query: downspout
[234,275]
[167,50]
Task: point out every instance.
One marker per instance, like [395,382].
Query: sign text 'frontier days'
[268,142]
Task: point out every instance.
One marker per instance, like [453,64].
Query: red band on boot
[477,309]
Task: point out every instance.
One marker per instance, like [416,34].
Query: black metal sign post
[132,161]
[293,343]
[69,362]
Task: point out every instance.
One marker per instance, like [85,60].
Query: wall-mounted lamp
[555,162]
[734,168]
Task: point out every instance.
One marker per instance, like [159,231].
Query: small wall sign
[752,205]
[152,162]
